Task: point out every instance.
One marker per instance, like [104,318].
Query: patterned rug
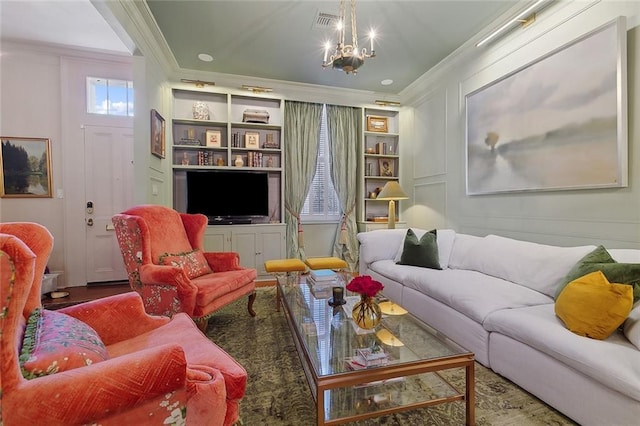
[277,391]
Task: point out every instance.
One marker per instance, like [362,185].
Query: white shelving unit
[195,112]
[380,163]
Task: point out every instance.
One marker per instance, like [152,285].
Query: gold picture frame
[26,167]
[377,124]
[213,138]
[157,134]
[252,140]
[385,166]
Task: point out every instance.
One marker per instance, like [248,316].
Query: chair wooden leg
[252,298]
[202,324]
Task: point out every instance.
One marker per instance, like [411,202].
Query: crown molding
[420,88]
[59,50]
[138,22]
[232,83]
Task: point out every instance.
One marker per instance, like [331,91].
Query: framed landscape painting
[558,123]
[26,167]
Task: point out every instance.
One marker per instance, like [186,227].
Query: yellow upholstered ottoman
[282,268]
[325,263]
[284,265]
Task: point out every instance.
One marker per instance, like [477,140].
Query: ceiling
[273,39]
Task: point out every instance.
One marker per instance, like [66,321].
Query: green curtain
[301,140]
[344,129]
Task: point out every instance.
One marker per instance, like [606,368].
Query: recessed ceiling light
[386,82]
[205,57]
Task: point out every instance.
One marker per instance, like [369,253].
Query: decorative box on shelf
[373,358]
[255,116]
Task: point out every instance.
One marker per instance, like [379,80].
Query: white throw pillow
[631,327]
[445,238]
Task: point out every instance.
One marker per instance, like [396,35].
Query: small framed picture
[252,140]
[386,167]
[377,124]
[213,138]
[26,167]
[157,134]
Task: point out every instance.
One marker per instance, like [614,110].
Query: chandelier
[347,57]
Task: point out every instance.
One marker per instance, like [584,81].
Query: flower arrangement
[365,285]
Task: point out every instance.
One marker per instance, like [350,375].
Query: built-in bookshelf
[380,161]
[227,131]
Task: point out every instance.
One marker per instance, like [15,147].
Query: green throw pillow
[423,252]
[600,260]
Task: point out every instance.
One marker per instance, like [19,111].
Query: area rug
[278,394]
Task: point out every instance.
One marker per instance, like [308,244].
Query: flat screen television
[228,196]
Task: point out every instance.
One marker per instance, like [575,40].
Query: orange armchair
[166,263]
[153,370]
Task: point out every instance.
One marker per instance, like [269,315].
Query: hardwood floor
[92,292]
[83,294]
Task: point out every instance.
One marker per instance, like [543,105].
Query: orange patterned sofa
[102,362]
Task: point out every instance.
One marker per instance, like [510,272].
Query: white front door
[108,190]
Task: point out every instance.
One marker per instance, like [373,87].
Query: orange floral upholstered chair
[103,362]
[166,262]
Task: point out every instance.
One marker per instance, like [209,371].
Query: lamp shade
[392,191]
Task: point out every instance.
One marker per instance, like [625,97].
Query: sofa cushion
[462,245]
[599,259]
[380,244]
[625,255]
[445,239]
[55,342]
[471,293]
[421,252]
[591,306]
[539,267]
[213,287]
[192,262]
[631,326]
[612,362]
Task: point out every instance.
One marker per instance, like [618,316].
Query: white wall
[152,174]
[42,96]
[436,162]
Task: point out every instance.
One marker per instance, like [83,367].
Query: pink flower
[365,285]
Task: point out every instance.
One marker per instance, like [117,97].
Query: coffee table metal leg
[471,394]
[320,407]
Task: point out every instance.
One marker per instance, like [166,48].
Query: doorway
[108,176]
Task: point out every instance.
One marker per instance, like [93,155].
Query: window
[109,97]
[322,203]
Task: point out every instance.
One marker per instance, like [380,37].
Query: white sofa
[495,297]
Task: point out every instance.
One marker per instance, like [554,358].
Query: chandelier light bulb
[372,35]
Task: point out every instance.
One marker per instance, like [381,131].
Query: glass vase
[366,313]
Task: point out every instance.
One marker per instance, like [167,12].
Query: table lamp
[392,191]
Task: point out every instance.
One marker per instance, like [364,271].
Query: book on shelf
[323,274]
[190,142]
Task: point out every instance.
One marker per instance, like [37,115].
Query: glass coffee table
[405,358]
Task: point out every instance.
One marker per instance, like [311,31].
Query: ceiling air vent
[324,20]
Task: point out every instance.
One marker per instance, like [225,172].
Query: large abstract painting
[557,123]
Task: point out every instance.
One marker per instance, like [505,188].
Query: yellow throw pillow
[592,307]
